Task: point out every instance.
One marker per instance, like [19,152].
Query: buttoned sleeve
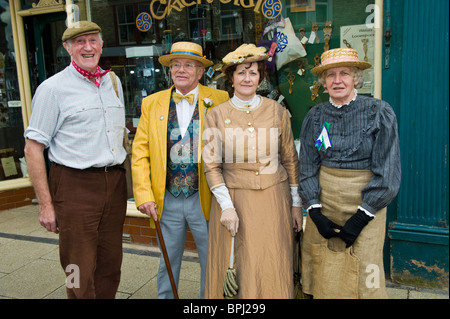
[386,168]
[288,153]
[309,187]
[212,150]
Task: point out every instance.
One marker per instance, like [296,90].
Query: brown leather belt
[97,169]
[104,168]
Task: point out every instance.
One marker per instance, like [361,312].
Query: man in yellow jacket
[169,183]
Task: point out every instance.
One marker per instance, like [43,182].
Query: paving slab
[30,268]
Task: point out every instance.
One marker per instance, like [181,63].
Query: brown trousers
[90,211]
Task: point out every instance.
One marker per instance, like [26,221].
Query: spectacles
[187,66]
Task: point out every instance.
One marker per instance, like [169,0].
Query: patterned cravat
[178,97]
[97,74]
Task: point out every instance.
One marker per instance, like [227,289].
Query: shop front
[136,33]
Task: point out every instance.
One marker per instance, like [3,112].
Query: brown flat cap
[80,28]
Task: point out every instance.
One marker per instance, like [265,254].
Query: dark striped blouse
[364,136]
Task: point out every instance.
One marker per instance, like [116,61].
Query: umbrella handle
[232,252]
[166,259]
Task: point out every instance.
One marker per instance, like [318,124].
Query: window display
[11,124]
[297,32]
[136,33]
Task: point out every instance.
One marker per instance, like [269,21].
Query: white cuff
[314,206]
[296,200]
[223,197]
[366,211]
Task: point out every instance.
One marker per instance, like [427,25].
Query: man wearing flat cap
[169,183]
[79,118]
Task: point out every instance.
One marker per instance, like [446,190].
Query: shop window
[126,24]
[323,25]
[220,26]
[149,36]
[230,23]
[11,122]
[127,32]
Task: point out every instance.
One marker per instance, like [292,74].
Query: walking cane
[166,259]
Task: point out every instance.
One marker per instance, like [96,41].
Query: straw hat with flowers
[340,57]
[246,53]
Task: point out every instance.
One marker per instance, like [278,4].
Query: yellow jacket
[149,160]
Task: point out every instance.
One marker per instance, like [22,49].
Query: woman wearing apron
[349,171]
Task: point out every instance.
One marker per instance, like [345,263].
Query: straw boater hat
[246,53]
[185,50]
[340,57]
[80,28]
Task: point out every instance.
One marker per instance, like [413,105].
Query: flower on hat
[243,52]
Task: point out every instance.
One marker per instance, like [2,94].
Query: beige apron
[340,197]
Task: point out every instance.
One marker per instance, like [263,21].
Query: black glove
[353,227]
[323,224]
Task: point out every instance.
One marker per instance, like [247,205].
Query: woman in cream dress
[251,167]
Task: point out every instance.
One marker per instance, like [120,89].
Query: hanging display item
[314,37]
[364,41]
[347,44]
[291,79]
[315,90]
[327,35]
[317,59]
[302,65]
[303,38]
[289,47]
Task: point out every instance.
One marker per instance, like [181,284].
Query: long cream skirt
[263,245]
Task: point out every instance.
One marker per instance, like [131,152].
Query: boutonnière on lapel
[207,103]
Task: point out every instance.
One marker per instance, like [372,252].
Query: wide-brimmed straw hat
[339,57]
[185,50]
[80,28]
[246,53]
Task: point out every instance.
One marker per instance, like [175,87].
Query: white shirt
[185,111]
[80,123]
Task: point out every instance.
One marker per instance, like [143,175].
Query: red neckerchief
[97,74]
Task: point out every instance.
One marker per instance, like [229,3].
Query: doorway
[47,55]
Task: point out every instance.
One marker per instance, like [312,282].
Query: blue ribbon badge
[324,138]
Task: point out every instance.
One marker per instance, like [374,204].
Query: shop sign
[270,8]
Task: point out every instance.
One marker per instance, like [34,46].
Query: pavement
[30,268]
